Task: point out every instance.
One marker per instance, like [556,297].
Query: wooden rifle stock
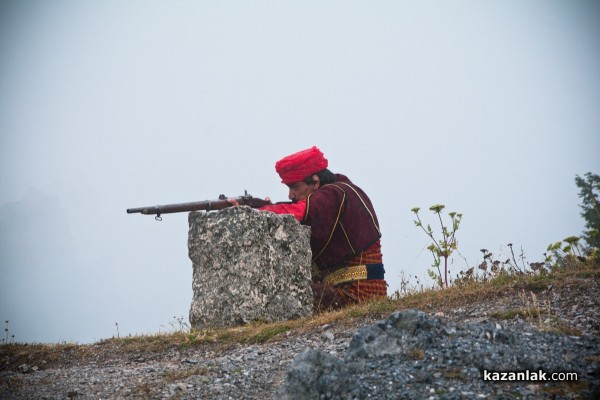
[205,205]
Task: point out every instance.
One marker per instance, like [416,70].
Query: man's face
[301,190]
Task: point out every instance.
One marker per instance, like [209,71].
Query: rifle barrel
[181,207]
[205,205]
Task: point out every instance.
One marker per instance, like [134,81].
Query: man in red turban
[347,260]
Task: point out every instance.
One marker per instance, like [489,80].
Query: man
[345,235]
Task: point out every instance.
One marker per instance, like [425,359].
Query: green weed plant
[441,247]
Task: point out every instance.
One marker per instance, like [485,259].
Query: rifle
[206,205]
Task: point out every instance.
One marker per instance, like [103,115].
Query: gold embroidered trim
[337,219]
[364,205]
[347,238]
[347,274]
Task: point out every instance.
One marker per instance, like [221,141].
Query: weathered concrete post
[248,265]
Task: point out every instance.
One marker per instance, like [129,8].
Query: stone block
[248,265]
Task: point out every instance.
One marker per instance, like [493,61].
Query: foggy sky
[490,108]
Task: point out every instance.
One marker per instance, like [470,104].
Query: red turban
[296,167]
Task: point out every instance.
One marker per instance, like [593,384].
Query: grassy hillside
[503,298]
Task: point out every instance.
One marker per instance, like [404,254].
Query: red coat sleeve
[296,209]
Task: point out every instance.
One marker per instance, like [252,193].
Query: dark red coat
[342,220]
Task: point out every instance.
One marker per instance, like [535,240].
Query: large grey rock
[411,355]
[315,374]
[249,265]
[394,335]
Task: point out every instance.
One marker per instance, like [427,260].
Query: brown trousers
[327,297]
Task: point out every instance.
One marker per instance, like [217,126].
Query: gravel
[413,355]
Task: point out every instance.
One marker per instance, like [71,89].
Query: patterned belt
[355,273]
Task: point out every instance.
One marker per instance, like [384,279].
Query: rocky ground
[440,352]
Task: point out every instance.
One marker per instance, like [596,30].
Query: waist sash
[355,273]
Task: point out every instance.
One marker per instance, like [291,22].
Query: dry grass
[46,355]
[417,354]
